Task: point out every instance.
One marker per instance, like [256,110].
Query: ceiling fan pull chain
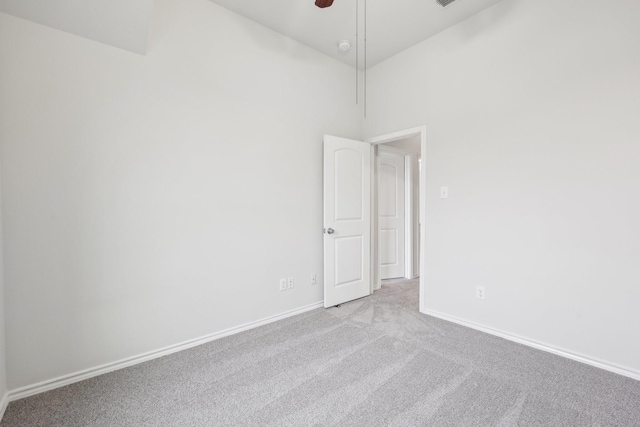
[327,3]
[365,59]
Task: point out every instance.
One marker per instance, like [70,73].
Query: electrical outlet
[290,283]
[283,284]
[313,279]
[480,292]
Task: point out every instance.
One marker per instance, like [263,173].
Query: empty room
[319,213]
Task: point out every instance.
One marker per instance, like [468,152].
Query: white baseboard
[3,404]
[64,380]
[607,366]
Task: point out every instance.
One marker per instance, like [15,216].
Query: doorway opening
[398,208]
[352,221]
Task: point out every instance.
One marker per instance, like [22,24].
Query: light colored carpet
[371,362]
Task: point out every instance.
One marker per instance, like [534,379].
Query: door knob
[330,231]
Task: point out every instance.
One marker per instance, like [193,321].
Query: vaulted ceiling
[392,25]
[120,23]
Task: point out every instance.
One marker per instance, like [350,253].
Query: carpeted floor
[371,362]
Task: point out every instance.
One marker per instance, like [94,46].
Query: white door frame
[375,261]
[409,159]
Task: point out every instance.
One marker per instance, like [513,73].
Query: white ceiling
[121,23]
[392,25]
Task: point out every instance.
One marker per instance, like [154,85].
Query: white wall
[532,112]
[3,349]
[151,200]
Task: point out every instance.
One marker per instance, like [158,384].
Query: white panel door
[347,220]
[391,211]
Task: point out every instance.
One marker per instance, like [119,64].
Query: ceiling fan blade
[324,3]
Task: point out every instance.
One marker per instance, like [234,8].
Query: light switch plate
[444,192]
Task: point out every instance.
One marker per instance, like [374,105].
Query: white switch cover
[283,284]
[444,192]
[313,279]
[290,283]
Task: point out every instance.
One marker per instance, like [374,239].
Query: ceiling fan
[324,3]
